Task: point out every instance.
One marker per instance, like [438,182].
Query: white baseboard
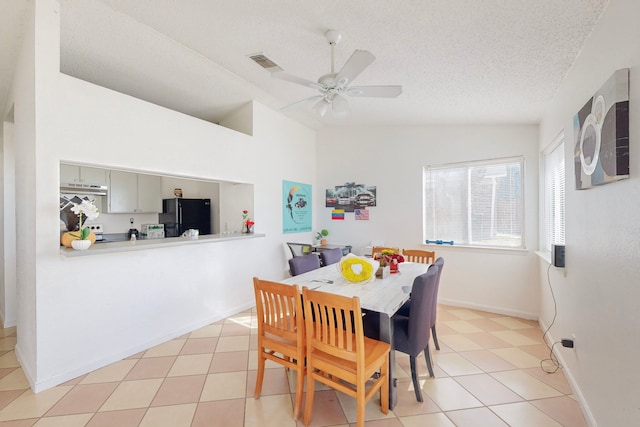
[489,308]
[46,383]
[586,411]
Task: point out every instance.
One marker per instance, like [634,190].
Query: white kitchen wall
[599,299]
[78,314]
[392,159]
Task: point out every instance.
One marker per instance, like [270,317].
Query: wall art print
[601,132]
[297,208]
[350,196]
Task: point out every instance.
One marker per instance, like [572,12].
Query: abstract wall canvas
[601,132]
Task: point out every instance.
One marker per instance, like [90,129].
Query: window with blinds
[476,203]
[554,194]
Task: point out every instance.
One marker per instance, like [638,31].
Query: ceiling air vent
[265,62]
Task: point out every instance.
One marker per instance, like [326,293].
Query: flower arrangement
[357,269]
[389,257]
[247,223]
[90,211]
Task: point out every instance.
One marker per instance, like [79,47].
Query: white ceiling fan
[334,86]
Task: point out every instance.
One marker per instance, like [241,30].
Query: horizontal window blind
[554,181]
[475,203]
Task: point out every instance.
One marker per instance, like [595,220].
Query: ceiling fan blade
[297,80]
[301,102]
[375,91]
[359,60]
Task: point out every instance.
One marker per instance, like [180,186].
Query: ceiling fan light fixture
[340,104]
[321,107]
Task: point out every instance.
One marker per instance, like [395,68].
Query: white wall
[392,159]
[77,314]
[599,299]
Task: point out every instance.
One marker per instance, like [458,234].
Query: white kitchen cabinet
[72,174]
[149,193]
[130,192]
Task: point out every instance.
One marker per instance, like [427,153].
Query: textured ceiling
[459,61]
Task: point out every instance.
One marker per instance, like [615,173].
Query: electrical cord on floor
[553,360]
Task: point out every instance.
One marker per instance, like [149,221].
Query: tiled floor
[487,374]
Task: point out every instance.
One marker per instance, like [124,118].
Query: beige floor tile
[169,416]
[449,395]
[462,326]
[540,351]
[488,325]
[192,364]
[179,390]
[229,361]
[487,340]
[269,411]
[14,381]
[207,331]
[225,385]
[78,420]
[115,372]
[83,399]
[169,348]
[476,417]
[199,346]
[525,385]
[523,414]
[556,380]
[9,396]
[326,410]
[231,329]
[31,405]
[431,420]
[275,381]
[454,364]
[372,409]
[487,389]
[132,394]
[511,323]
[517,357]
[487,361]
[233,343]
[9,360]
[224,413]
[253,361]
[8,343]
[152,367]
[564,410]
[459,342]
[514,338]
[465,314]
[125,418]
[409,405]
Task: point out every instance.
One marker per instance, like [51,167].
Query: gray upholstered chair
[411,334]
[406,308]
[302,264]
[330,256]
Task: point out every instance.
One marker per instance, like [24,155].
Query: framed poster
[297,207]
[601,131]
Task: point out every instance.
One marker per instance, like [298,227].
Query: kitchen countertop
[126,246]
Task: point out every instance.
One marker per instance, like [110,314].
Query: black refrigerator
[180,214]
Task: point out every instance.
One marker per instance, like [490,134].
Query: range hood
[74,188]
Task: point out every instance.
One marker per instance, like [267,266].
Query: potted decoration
[321,235]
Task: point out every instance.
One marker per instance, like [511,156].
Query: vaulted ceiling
[458,61]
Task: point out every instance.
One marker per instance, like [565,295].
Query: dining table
[384,296]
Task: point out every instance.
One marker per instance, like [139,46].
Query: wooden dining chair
[378,249]
[418,255]
[280,332]
[338,353]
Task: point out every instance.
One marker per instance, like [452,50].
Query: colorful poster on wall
[351,196]
[296,212]
[601,130]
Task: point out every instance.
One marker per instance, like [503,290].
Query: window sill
[545,256]
[433,247]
